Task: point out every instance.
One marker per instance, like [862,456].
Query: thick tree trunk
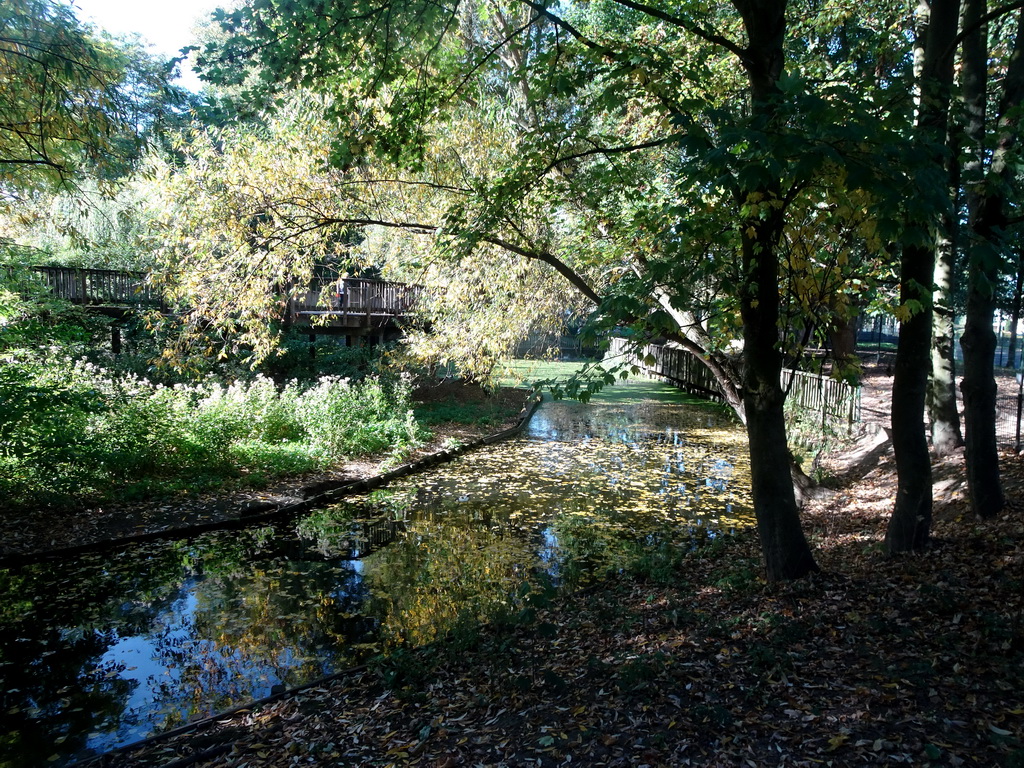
[843,337]
[984,484]
[987,218]
[910,525]
[785,550]
[783,545]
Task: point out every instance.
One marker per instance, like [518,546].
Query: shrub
[345,419]
[75,431]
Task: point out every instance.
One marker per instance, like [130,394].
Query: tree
[92,225]
[662,183]
[910,525]
[72,99]
[988,196]
[946,435]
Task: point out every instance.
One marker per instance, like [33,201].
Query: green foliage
[72,99]
[342,419]
[33,322]
[296,358]
[635,674]
[486,413]
[810,437]
[76,432]
[94,225]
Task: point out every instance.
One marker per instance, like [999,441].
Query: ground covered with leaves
[696,661]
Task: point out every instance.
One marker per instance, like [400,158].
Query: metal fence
[833,402]
[1008,417]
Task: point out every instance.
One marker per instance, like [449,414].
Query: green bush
[344,419]
[75,432]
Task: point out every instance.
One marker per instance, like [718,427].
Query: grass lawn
[523,373]
[634,389]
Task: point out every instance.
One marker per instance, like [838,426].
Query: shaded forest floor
[875,661]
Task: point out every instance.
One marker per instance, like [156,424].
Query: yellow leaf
[837,741]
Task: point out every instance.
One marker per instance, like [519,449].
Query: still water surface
[106,649]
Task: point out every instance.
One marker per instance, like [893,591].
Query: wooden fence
[833,402]
[673,365]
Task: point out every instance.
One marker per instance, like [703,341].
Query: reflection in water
[108,648]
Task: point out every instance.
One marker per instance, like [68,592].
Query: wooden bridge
[353,306]
[101,289]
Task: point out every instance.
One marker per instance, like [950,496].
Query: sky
[166,25]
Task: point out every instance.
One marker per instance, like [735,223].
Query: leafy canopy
[71,98]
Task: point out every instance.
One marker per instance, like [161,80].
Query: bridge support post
[115,339]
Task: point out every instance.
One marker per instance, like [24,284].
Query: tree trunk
[910,525]
[784,547]
[785,550]
[1018,290]
[843,338]
[942,408]
[984,484]
[986,204]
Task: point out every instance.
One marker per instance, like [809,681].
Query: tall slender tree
[910,525]
[988,187]
[946,435]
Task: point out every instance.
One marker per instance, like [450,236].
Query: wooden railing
[672,364]
[100,286]
[349,299]
[833,402]
[357,296]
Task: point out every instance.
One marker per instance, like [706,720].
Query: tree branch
[561,23]
[689,26]
[598,150]
[545,257]
[995,13]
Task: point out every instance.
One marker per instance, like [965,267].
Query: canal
[105,649]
